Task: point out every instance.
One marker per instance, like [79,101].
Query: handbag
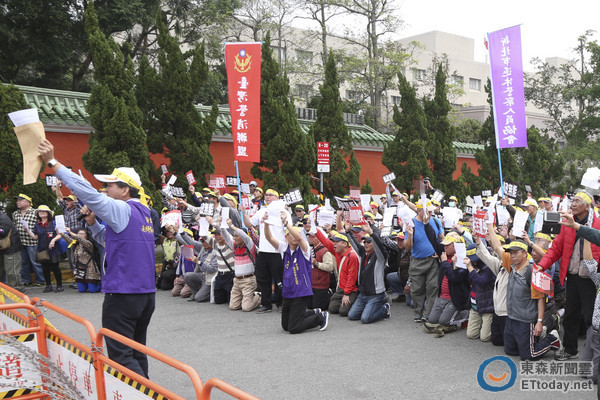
[5,243]
[42,256]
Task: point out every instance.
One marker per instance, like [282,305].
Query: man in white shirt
[269,266]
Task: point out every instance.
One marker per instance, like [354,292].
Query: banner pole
[500,169]
[237,172]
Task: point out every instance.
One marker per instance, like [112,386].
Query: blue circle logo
[504,376]
[242,53]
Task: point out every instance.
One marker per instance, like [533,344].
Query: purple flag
[506,63]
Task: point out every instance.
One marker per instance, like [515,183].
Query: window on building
[420,75]
[353,95]
[458,80]
[475,84]
[304,92]
[396,100]
[277,52]
[304,57]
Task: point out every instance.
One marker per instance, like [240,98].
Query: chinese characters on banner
[542,282]
[480,223]
[506,63]
[243,77]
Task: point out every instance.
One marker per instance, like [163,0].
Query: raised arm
[294,232]
[274,242]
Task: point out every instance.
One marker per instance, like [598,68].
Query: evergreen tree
[11,159]
[287,155]
[330,127]
[488,157]
[407,154]
[366,188]
[167,99]
[541,164]
[118,138]
[441,149]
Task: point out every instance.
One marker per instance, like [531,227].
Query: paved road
[386,360]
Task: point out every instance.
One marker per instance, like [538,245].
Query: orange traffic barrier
[191,372]
[225,388]
[36,323]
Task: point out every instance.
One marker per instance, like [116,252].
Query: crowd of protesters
[266,255]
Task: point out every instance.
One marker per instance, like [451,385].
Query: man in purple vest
[128,268]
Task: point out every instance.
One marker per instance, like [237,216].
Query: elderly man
[128,274]
[581,291]
[26,214]
[530,207]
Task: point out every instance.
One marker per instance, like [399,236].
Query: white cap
[252,183]
[126,170]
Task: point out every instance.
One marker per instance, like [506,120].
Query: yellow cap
[452,237]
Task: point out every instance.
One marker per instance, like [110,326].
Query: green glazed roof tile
[68,108]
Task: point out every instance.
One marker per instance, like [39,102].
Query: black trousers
[581,293]
[128,315]
[222,290]
[320,299]
[269,269]
[49,268]
[295,318]
[498,324]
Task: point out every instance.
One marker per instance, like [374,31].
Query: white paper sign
[274,209]
[407,215]
[539,222]
[590,178]
[60,223]
[25,225]
[502,213]
[451,216]
[203,227]
[478,201]
[187,252]
[388,216]
[519,223]
[24,117]
[365,200]
[172,180]
[172,218]
[246,188]
[326,217]
[461,252]
[224,217]
[564,205]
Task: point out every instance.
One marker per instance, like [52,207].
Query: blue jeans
[396,284]
[368,308]
[28,260]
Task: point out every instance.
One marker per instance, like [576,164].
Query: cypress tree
[407,154]
[330,127]
[488,157]
[287,154]
[11,159]
[118,138]
[167,98]
[441,149]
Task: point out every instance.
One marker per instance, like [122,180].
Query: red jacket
[348,271]
[562,248]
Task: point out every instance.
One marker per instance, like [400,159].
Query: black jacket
[6,225]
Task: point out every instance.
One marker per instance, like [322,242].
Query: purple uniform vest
[130,260]
[297,274]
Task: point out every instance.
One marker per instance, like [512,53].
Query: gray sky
[548,28]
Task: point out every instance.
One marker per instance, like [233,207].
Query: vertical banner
[506,63]
[243,80]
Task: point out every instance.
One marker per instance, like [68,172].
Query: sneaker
[59,289]
[48,289]
[563,355]
[417,320]
[73,286]
[555,345]
[264,309]
[388,311]
[325,322]
[544,332]
[317,310]
[191,298]
[37,284]
[399,299]
[430,328]
[424,318]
